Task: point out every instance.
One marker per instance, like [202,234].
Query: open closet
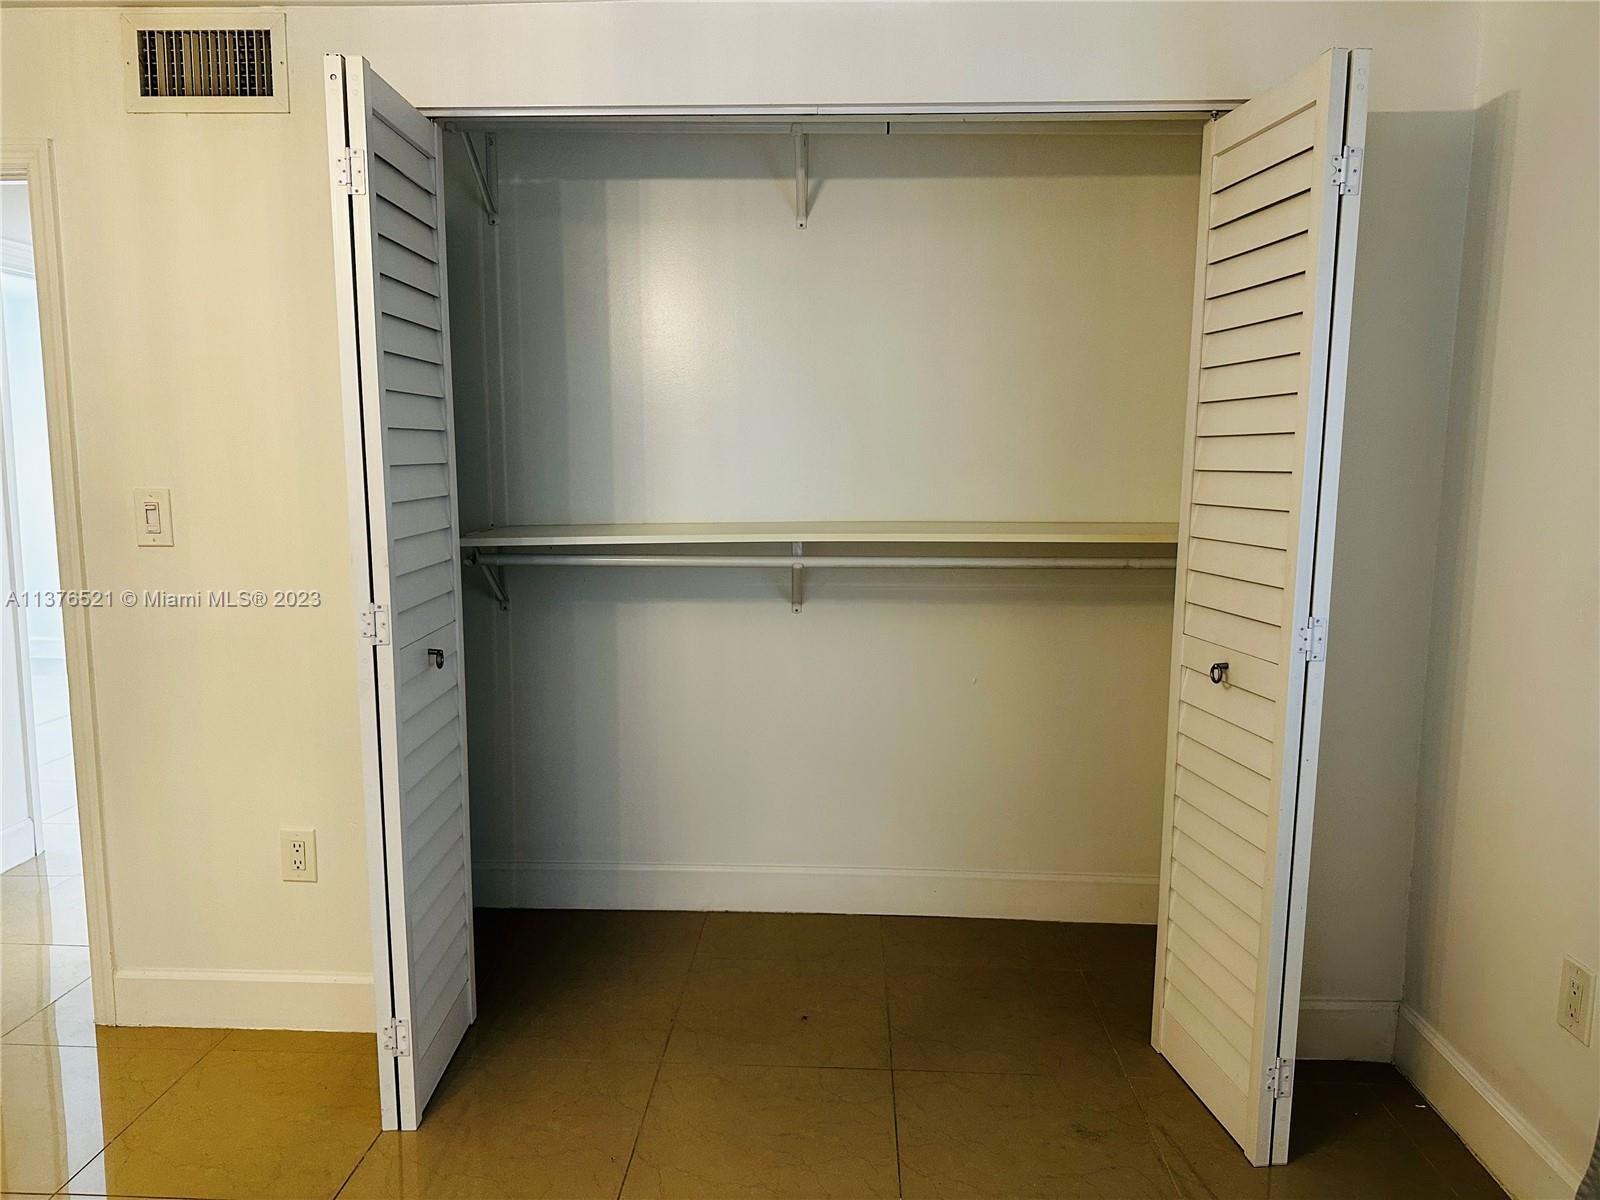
[850,511]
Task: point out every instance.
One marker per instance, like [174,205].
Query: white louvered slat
[1245,489]
[1263,377]
[1246,452]
[1253,600]
[1249,750]
[1248,712]
[1233,631]
[1189,944]
[1242,927]
[1266,149]
[1277,260]
[1234,958]
[1251,824]
[1251,556]
[402,324]
[1228,846]
[399,299]
[1283,220]
[1244,672]
[1197,1028]
[1279,298]
[1245,526]
[1289,178]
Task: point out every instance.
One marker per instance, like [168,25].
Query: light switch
[153,516]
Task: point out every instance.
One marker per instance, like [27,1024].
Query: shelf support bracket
[797,576]
[495,576]
[802,181]
[485,173]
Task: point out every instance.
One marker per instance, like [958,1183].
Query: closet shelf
[1018,533]
[492,550]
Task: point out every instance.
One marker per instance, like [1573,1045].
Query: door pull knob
[1219,671]
[438,659]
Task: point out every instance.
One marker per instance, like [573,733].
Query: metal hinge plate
[394,1039]
[350,171]
[1280,1078]
[1347,171]
[1311,640]
[375,625]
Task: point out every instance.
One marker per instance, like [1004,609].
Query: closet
[806,511]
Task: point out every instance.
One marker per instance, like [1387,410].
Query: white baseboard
[245,999]
[16,843]
[1505,1141]
[1331,1027]
[1120,899]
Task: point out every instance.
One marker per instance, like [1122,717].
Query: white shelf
[1037,533]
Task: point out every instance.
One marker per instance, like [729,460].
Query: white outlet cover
[1575,1010]
[295,844]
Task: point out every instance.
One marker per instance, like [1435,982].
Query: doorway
[55,942]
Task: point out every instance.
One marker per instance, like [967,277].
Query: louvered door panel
[1254,479]
[397,240]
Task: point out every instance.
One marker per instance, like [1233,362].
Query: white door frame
[32,162]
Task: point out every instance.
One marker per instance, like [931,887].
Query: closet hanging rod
[487,179]
[934,562]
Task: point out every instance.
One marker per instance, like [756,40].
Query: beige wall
[197,257]
[1508,845]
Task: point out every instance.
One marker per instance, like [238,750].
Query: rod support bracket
[495,576]
[802,172]
[797,576]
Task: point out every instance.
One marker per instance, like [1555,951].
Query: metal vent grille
[205,62]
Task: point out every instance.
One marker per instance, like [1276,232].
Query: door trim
[33,162]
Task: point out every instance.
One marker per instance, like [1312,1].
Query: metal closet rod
[919,562]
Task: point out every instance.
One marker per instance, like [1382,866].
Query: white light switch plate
[152,516]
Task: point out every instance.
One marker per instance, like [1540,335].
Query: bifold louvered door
[1279,196]
[389,224]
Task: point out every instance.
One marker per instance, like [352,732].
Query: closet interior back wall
[971,327]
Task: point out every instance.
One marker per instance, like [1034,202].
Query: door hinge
[350,171]
[1347,171]
[375,625]
[1280,1078]
[394,1039]
[1311,640]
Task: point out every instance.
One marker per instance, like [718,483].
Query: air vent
[206,62]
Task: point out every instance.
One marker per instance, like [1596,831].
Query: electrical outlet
[298,849]
[1577,1000]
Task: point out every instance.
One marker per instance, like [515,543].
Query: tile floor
[731,1055]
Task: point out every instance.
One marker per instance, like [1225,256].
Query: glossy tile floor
[729,1055]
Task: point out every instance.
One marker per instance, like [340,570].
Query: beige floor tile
[258,1124]
[1102,947]
[1024,1135]
[714,1132]
[776,1013]
[995,1019]
[294,1040]
[62,1104]
[514,1128]
[1123,997]
[964,941]
[38,910]
[1467,1177]
[793,937]
[62,854]
[32,977]
[1343,1143]
[70,1022]
[611,1006]
[530,936]
[1203,1158]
